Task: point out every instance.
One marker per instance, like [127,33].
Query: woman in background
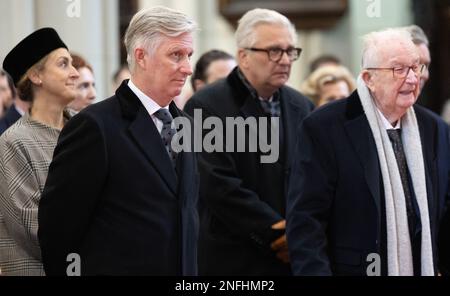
[41,68]
[85,84]
[327,84]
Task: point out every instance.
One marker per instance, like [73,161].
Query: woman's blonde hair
[25,87]
[311,87]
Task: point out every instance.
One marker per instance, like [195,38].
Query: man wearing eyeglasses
[242,199]
[367,184]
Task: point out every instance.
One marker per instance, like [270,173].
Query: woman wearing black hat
[42,70]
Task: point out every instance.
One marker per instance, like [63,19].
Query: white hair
[149,26]
[418,35]
[245,33]
[378,42]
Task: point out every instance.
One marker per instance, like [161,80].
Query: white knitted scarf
[400,260]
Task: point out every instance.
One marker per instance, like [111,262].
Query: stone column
[16,22]
[89,28]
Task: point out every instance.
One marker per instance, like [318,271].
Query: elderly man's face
[394,95]
[168,67]
[265,75]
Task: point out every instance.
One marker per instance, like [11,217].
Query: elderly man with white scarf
[371,174]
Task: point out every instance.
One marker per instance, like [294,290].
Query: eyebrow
[278,46]
[68,59]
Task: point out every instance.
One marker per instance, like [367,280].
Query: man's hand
[280,244]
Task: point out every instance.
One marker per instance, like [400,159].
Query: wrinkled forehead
[399,53]
[272,34]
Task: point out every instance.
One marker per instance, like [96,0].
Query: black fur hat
[31,50]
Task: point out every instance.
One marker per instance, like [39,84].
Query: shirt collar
[150,105]
[387,124]
[19,110]
[252,90]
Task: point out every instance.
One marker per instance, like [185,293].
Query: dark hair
[204,61]
[79,62]
[117,73]
[3,73]
[323,59]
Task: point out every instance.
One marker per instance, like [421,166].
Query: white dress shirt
[150,105]
[387,124]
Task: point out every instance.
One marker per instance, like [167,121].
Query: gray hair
[375,42]
[245,33]
[149,26]
[417,35]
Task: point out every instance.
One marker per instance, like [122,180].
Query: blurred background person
[210,67]
[421,41]
[120,75]
[41,68]
[85,84]
[324,60]
[328,83]
[7,92]
[18,107]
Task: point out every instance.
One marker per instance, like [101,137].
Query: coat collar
[358,130]
[144,132]
[291,111]
[11,115]
[243,97]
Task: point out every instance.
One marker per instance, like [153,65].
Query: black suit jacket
[240,196]
[335,204]
[11,116]
[113,196]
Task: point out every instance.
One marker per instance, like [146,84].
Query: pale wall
[95,33]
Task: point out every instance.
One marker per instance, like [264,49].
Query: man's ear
[139,57]
[242,57]
[368,79]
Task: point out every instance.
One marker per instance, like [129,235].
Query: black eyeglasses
[275,54]
[402,72]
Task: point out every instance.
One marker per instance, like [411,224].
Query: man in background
[9,93]
[211,66]
[242,198]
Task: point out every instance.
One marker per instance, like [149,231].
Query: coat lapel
[146,136]
[360,135]
[250,108]
[429,145]
[291,117]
